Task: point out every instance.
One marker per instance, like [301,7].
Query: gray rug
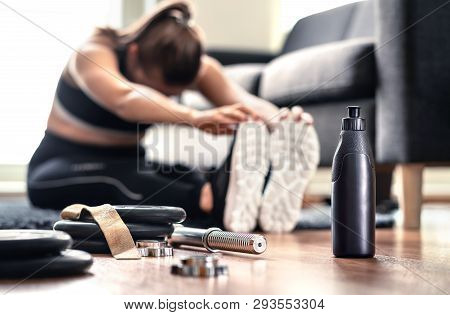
[20,215]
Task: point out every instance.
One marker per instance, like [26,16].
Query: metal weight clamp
[200,266]
[154,248]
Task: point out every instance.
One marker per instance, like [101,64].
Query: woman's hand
[224,119]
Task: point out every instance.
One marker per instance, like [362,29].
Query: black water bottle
[353,190]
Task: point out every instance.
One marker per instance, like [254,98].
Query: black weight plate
[145,214]
[97,246]
[82,230]
[92,246]
[69,262]
[32,243]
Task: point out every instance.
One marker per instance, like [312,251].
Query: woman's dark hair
[165,40]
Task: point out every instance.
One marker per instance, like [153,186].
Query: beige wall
[244,24]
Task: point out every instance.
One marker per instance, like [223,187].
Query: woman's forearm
[144,105]
[267,110]
[220,90]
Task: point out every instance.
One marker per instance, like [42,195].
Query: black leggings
[62,172]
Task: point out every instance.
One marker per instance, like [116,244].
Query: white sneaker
[294,156]
[249,167]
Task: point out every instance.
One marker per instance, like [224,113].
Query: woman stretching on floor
[122,79]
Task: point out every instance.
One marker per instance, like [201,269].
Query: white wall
[34,48]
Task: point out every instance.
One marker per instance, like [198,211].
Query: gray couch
[391,57]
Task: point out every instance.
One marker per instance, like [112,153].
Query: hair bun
[180,16]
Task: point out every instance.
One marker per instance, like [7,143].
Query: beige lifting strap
[115,231]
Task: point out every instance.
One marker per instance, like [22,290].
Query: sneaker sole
[249,166]
[294,153]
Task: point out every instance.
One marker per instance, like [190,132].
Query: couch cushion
[245,75]
[335,71]
[195,100]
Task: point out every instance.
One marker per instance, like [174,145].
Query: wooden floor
[407,262]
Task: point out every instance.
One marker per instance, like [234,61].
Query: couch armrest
[229,57]
[413,95]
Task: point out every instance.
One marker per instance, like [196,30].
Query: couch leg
[410,194]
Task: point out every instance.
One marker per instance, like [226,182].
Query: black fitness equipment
[91,231]
[145,214]
[36,253]
[148,223]
[88,236]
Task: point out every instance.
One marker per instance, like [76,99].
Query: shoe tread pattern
[294,154]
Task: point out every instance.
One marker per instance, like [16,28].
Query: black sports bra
[84,108]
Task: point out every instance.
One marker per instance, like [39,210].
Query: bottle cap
[353,121]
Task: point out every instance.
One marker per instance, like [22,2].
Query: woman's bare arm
[95,69]
[220,90]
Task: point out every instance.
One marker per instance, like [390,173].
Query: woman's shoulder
[94,51]
[97,46]
[106,37]
[102,40]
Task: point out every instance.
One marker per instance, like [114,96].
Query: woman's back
[78,116]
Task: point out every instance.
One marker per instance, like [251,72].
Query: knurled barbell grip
[214,239]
